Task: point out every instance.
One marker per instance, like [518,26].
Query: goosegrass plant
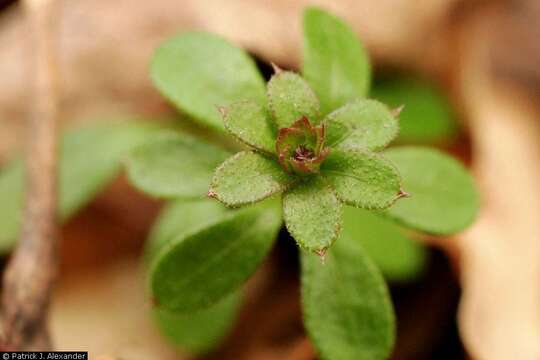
[310,152]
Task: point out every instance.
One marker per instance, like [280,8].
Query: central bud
[300,148]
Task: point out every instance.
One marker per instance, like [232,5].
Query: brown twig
[30,275]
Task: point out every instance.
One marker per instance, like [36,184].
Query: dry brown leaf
[105,46]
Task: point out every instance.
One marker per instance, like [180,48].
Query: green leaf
[361,179]
[362,124]
[191,331]
[427,116]
[248,177]
[443,195]
[196,270]
[290,98]
[199,71]
[347,310]
[335,63]
[11,198]
[397,256]
[174,165]
[181,218]
[249,122]
[200,331]
[89,158]
[312,214]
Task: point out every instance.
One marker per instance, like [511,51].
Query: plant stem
[32,270]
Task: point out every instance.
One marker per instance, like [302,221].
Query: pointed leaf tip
[397,110]
[312,214]
[276,68]
[403,194]
[362,179]
[249,177]
[361,124]
[222,110]
[444,201]
[428,117]
[322,254]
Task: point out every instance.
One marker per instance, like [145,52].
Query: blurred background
[469,72]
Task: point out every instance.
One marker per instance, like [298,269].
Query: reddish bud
[300,148]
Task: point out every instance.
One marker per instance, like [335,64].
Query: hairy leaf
[249,122]
[362,124]
[198,72]
[426,116]
[335,63]
[196,270]
[312,214]
[397,256]
[174,165]
[347,310]
[199,331]
[290,98]
[89,158]
[248,177]
[443,195]
[360,179]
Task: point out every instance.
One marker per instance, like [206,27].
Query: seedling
[314,149]
[317,162]
[311,155]
[311,149]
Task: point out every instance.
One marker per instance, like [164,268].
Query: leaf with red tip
[426,117]
[248,177]
[312,214]
[361,179]
[362,124]
[443,197]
